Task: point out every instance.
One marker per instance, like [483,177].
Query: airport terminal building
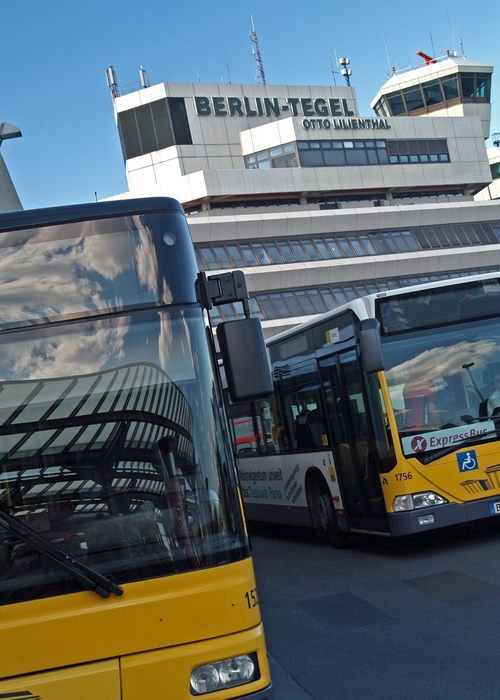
[316,202]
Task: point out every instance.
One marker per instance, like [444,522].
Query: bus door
[355,458]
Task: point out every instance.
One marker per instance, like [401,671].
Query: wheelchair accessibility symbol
[467,461]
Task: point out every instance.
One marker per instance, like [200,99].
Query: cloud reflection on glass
[53,276]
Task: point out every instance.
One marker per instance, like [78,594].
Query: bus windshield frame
[441,348]
[113,447]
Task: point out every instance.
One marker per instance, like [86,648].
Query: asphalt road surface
[414,618]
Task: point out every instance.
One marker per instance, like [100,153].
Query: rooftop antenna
[199,79]
[227,68]
[462,48]
[346,72]
[387,54]
[256,54]
[331,68]
[112,81]
[144,77]
[432,44]
[451,34]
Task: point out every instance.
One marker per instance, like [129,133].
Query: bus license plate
[495,508]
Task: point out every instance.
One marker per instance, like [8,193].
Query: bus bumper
[410,522]
[161,673]
[267,694]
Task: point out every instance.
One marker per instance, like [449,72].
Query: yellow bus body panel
[443,475]
[168,670]
[159,613]
[481,482]
[154,674]
[99,681]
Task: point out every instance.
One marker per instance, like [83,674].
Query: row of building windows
[323,154]
[307,302]
[244,204]
[333,154]
[323,201]
[428,194]
[254,203]
[435,94]
[336,201]
[327,247]
[153,126]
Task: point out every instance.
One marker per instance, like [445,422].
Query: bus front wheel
[322,513]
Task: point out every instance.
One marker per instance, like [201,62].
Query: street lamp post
[8,131]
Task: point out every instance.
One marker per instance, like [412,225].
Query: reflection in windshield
[76,268]
[122,464]
[443,379]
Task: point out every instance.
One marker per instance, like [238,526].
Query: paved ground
[285,688]
[385,619]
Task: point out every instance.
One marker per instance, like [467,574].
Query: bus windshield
[112,439]
[444,384]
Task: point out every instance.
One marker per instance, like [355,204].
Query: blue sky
[54,55]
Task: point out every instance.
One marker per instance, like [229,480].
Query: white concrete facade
[185,173]
[491,191]
[226,162]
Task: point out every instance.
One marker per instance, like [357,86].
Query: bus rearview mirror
[371,347]
[245,360]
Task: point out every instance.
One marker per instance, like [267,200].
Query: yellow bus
[384,415]
[125,569]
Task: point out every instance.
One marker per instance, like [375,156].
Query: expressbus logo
[418,444]
[439,439]
[444,440]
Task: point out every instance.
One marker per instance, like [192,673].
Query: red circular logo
[418,444]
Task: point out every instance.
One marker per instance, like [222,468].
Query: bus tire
[322,513]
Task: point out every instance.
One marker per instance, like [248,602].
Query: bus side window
[243,427]
[267,420]
[298,422]
[317,427]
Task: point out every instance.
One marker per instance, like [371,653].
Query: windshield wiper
[454,445]
[90,579]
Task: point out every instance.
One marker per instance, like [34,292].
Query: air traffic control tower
[447,86]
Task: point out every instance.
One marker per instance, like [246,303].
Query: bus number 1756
[403,476]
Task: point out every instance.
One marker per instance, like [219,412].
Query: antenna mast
[112,81]
[331,68]
[432,44]
[390,69]
[256,54]
[143,74]
[451,34]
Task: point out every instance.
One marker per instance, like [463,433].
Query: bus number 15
[252,598]
[404,476]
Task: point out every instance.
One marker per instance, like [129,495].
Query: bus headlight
[224,674]
[429,498]
[412,501]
